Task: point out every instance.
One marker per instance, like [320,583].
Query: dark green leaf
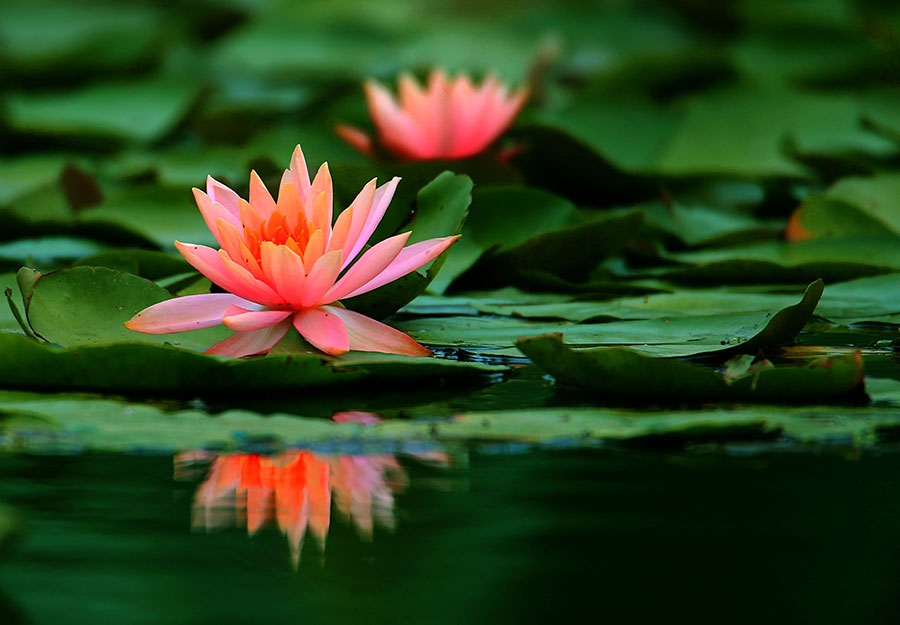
[167,370]
[625,374]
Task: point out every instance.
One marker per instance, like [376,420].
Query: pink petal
[297,174]
[243,320]
[285,270]
[357,138]
[497,117]
[321,278]
[291,205]
[409,259]
[260,198]
[372,263]
[472,110]
[356,416]
[383,196]
[368,335]
[248,286]
[322,210]
[440,114]
[315,247]
[352,219]
[180,314]
[208,262]
[249,343]
[218,192]
[213,211]
[233,245]
[397,131]
[323,330]
[425,109]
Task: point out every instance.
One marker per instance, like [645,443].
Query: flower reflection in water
[295,490]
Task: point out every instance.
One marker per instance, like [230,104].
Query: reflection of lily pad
[10,526]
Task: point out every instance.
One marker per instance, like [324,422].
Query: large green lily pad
[676,336]
[619,373]
[166,370]
[90,305]
[139,111]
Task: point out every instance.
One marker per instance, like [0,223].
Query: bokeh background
[145,99]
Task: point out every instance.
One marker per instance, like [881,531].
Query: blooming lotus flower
[448,119]
[283,263]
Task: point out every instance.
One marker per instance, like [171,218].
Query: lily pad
[83,38]
[743,132]
[625,374]
[89,306]
[145,263]
[51,423]
[167,370]
[501,218]
[846,302]
[130,111]
[569,253]
[675,336]
[820,217]
[770,262]
[24,174]
[157,215]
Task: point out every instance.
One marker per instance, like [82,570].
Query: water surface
[489,534]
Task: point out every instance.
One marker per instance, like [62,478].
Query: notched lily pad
[710,335]
[625,374]
[89,306]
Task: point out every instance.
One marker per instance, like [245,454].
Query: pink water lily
[284,263]
[447,119]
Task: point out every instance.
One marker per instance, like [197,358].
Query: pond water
[746,533]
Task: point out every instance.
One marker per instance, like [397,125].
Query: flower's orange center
[277,230]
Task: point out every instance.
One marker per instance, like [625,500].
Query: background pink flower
[447,119]
[283,263]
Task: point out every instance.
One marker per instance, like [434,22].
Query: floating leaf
[771,262]
[25,174]
[145,263]
[625,374]
[676,336]
[83,38]
[569,253]
[501,218]
[167,370]
[89,306]
[743,133]
[131,111]
[108,425]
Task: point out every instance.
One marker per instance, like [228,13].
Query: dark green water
[619,536]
